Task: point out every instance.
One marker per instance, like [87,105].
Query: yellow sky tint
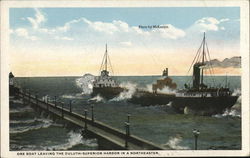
[69,62]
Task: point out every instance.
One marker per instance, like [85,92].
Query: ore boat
[104,85]
[199,98]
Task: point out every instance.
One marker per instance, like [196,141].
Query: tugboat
[104,85]
[199,98]
[157,96]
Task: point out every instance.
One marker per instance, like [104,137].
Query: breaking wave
[166,108]
[77,96]
[126,94]
[86,83]
[234,111]
[26,121]
[74,138]
[174,143]
[97,98]
[21,110]
[237,92]
[45,123]
[17,101]
[166,90]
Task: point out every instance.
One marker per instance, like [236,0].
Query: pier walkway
[109,137]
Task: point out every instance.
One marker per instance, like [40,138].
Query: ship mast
[203,56]
[106,58]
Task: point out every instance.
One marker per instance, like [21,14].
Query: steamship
[104,85]
[197,98]
[200,98]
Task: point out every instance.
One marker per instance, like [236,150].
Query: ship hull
[148,98]
[107,92]
[186,105]
[203,105]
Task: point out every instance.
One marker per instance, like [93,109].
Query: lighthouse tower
[11,79]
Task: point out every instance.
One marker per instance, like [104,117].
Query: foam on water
[236,92]
[97,98]
[76,96]
[174,143]
[21,110]
[17,101]
[86,83]
[126,94]
[74,138]
[234,111]
[45,123]
[26,121]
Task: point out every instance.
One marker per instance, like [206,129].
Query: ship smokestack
[165,72]
[196,75]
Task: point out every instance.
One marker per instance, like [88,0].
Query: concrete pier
[108,137]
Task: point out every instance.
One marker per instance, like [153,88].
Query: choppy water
[30,130]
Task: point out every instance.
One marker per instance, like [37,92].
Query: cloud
[68,25]
[128,43]
[22,32]
[222,28]
[208,24]
[117,32]
[169,32]
[118,28]
[224,20]
[64,38]
[109,28]
[39,18]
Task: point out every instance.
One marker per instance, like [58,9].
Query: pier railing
[123,140]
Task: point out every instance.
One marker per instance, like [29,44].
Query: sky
[71,41]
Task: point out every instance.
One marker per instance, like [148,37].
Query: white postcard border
[244,45]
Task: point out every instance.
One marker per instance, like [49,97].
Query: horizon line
[134,75]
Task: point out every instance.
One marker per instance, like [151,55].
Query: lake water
[30,130]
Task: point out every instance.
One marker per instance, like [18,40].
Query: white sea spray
[165,90]
[97,98]
[74,138]
[236,92]
[234,111]
[21,110]
[126,94]
[45,123]
[174,143]
[86,83]
[75,96]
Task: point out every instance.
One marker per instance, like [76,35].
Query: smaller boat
[104,85]
[157,96]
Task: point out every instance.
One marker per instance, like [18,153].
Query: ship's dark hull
[203,105]
[107,92]
[187,105]
[148,98]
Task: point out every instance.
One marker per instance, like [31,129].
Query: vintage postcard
[124,78]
